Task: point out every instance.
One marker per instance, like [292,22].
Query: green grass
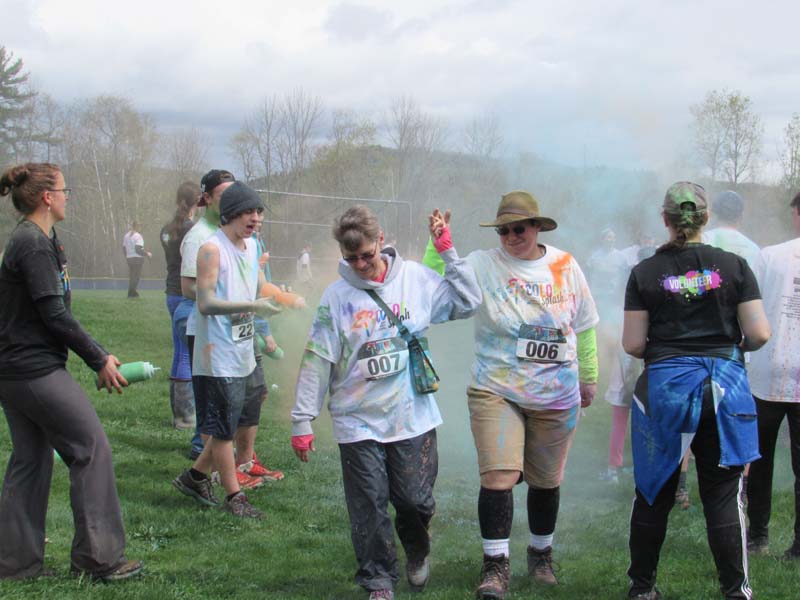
[302,549]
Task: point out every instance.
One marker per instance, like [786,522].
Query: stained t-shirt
[692,295]
[34,266]
[774,371]
[172,252]
[526,329]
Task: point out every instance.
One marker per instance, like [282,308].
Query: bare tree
[300,113]
[790,157]
[745,134]
[482,137]
[727,135]
[186,152]
[109,153]
[242,149]
[39,129]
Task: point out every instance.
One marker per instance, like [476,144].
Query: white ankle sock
[495,547]
[541,542]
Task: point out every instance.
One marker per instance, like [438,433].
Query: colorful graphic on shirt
[370,320]
[543,292]
[694,283]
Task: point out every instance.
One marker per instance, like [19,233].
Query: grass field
[302,549]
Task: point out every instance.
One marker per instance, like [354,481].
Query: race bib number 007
[541,344]
[242,327]
[382,358]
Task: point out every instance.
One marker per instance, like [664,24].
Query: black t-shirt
[172,252]
[691,296]
[34,266]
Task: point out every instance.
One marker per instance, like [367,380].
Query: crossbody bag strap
[407,335]
[390,315]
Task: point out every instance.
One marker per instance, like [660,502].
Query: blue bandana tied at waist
[666,412]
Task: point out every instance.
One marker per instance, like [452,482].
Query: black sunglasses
[366,257]
[504,230]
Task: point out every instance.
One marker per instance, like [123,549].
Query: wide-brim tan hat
[520,206]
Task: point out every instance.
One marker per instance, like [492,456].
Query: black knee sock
[495,513]
[543,510]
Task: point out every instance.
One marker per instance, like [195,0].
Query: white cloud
[613,81]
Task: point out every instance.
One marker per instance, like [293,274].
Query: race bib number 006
[541,344]
[382,358]
[242,327]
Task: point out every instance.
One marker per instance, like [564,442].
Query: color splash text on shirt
[695,283]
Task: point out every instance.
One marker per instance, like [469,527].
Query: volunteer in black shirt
[181,397]
[44,406]
[691,311]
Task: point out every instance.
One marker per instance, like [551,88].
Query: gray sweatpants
[45,413]
[401,472]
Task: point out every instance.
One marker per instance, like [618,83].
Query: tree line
[122,165]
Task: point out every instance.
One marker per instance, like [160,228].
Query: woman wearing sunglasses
[43,404]
[691,311]
[385,427]
[535,366]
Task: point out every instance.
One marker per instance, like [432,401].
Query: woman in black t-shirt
[44,406]
[691,311]
[181,397]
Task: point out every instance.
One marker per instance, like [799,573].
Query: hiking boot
[793,553]
[418,572]
[495,573]
[126,570]
[682,498]
[540,566]
[759,545]
[199,490]
[240,507]
[653,594]
[384,594]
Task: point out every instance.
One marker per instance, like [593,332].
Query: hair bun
[13,177]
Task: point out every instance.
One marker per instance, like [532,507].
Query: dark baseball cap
[211,180]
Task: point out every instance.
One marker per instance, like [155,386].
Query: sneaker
[653,594]
[540,566]
[199,490]
[240,507]
[759,545]
[611,475]
[682,498]
[384,594]
[126,570]
[495,573]
[418,572]
[793,553]
[246,482]
[255,468]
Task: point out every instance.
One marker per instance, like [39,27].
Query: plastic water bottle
[276,354]
[133,372]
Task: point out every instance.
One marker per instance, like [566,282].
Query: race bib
[541,344]
[382,358]
[242,327]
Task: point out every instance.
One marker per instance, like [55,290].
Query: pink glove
[302,442]
[444,241]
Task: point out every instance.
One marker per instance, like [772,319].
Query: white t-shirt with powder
[545,303]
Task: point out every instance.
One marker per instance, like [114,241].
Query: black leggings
[719,491]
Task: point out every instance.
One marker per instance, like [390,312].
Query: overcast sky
[609,83]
